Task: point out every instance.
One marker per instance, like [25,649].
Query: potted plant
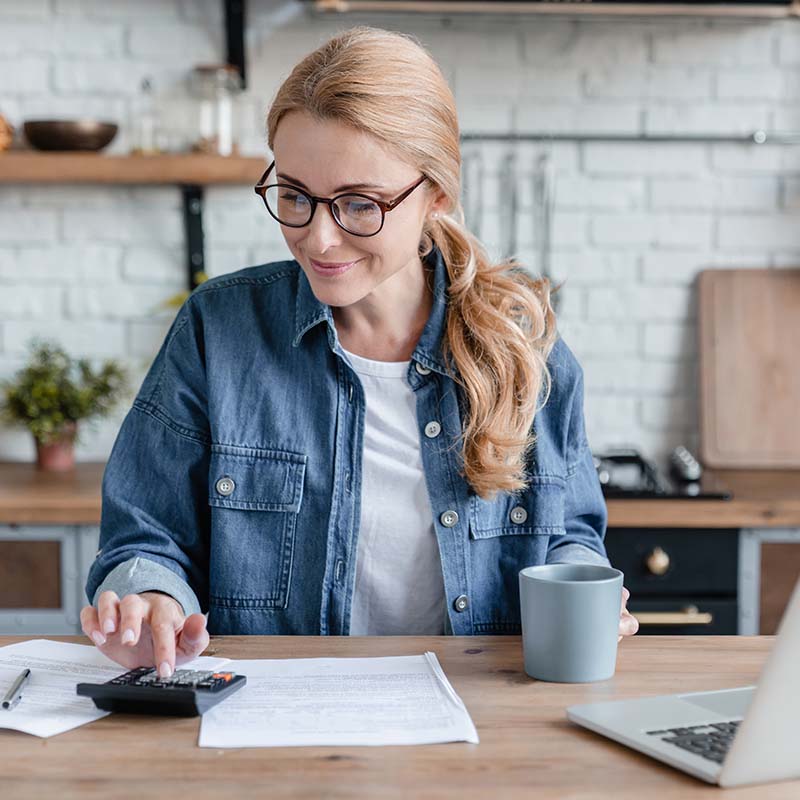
[52,393]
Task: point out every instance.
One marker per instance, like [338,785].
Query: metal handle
[657,561]
[686,616]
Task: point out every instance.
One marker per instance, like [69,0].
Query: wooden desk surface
[762,498]
[527,747]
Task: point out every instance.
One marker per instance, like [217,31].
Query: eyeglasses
[354,213]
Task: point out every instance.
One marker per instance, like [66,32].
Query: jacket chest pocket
[507,534]
[538,510]
[255,497]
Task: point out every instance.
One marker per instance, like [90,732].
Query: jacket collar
[309,312]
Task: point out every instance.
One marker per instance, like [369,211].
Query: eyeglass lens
[356,214]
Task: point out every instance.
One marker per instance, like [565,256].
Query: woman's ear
[438,205]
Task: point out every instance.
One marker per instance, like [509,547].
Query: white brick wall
[633,222]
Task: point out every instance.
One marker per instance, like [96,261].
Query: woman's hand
[143,630]
[628,624]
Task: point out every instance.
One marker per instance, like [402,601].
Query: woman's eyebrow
[346,188]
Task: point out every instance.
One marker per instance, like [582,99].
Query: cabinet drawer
[685,616]
[43,571]
[671,561]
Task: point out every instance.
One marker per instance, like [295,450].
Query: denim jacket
[234,483]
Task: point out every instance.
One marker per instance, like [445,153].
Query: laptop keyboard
[709,741]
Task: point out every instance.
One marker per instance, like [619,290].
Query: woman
[373,438]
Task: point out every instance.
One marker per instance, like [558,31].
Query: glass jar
[216,87]
[147,139]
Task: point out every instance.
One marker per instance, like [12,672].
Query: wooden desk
[528,748]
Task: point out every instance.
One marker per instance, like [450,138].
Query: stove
[625,473]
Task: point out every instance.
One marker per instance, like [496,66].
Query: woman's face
[322,157]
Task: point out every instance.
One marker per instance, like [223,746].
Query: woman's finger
[163,628]
[108,612]
[193,638]
[131,609]
[628,624]
[90,625]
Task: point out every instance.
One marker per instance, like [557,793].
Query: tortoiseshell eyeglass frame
[385,207]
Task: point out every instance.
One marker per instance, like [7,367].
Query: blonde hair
[500,324]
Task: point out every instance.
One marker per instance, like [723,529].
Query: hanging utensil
[472,190]
[508,203]
[543,206]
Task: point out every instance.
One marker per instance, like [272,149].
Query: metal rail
[756,137]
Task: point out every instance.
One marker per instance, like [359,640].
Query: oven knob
[657,561]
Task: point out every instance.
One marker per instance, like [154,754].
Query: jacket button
[518,515]
[420,369]
[433,429]
[225,486]
[461,602]
[449,518]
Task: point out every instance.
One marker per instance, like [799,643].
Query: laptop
[729,737]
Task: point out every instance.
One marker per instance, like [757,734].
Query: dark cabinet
[681,580]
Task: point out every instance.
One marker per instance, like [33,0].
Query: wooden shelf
[195,169]
[562,8]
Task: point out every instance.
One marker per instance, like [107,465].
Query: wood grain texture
[749,327]
[30,574]
[31,496]
[35,167]
[761,499]
[780,569]
[571,9]
[527,748]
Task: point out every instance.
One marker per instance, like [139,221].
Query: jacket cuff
[576,554]
[142,575]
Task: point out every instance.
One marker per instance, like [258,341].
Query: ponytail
[500,330]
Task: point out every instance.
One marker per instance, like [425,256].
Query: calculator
[187,693]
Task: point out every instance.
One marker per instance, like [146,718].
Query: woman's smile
[332,268]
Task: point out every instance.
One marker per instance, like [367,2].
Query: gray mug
[570,621]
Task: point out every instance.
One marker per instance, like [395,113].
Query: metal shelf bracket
[193,227]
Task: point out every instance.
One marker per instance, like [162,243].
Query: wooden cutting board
[749,330]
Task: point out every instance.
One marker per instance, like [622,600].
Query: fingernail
[128,636]
[109,626]
[164,670]
[98,638]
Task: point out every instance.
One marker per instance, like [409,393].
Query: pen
[14,694]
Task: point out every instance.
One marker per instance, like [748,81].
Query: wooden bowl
[78,134]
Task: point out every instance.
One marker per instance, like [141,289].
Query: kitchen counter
[31,497]
[761,499]
[761,523]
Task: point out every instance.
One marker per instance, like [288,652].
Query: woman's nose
[322,232]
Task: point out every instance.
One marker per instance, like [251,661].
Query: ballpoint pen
[14,694]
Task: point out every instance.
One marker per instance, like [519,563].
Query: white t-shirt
[399,587]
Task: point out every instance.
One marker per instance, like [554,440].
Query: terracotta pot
[59,454]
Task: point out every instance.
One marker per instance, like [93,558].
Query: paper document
[339,701]
[49,703]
